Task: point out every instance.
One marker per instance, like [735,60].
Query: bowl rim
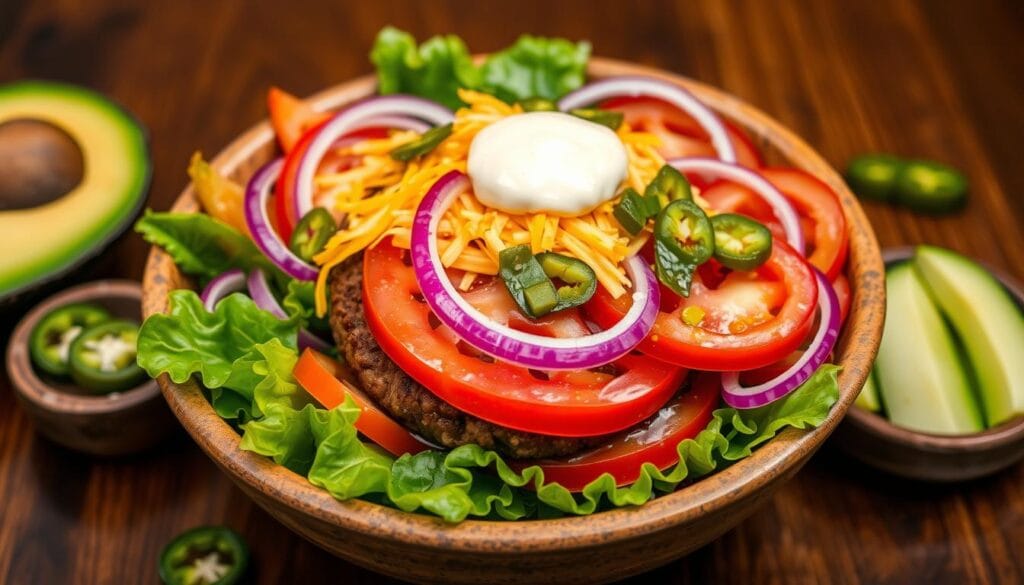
[997,437]
[30,386]
[776,459]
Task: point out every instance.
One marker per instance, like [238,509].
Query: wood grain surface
[933,79]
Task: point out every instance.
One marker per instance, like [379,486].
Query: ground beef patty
[410,402]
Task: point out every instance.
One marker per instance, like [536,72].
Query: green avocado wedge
[868,397]
[49,227]
[922,383]
[988,322]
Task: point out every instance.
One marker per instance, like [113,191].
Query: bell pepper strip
[422,145]
[328,382]
[291,117]
[580,279]
[740,242]
[50,341]
[683,240]
[610,119]
[207,555]
[526,281]
[312,233]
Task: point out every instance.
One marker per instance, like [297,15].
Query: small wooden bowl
[113,424]
[593,549]
[872,439]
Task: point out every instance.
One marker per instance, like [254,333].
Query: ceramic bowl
[111,424]
[871,438]
[593,549]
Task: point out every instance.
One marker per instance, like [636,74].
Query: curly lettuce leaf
[201,245]
[532,67]
[536,67]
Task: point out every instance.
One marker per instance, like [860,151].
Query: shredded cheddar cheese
[377,199]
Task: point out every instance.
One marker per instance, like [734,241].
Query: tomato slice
[745,320]
[842,287]
[329,382]
[679,133]
[821,214]
[284,190]
[570,404]
[728,197]
[654,441]
[291,117]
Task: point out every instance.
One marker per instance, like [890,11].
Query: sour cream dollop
[546,162]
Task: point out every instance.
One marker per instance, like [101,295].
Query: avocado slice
[987,320]
[74,171]
[868,397]
[920,377]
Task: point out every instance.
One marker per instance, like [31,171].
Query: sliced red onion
[263,233]
[221,286]
[716,169]
[817,353]
[503,342]
[259,290]
[635,86]
[299,208]
[354,117]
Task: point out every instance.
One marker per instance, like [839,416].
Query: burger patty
[407,400]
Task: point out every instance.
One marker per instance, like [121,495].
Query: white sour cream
[546,162]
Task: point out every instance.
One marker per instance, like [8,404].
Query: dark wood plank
[932,79]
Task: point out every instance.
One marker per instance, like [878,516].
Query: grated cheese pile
[379,198]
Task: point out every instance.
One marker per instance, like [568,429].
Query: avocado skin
[988,322]
[131,196]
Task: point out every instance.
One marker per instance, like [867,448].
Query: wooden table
[934,79]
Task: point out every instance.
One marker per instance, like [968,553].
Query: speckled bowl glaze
[871,438]
[592,549]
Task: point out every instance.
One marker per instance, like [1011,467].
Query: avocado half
[74,173]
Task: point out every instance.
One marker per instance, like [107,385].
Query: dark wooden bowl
[871,438]
[593,549]
[113,424]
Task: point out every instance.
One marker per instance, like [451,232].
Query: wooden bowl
[871,438]
[112,424]
[598,548]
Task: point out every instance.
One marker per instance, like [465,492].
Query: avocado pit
[39,163]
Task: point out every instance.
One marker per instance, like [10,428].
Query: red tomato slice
[750,320]
[570,404]
[821,215]
[329,382]
[679,133]
[727,197]
[654,441]
[291,117]
[284,190]
[842,287]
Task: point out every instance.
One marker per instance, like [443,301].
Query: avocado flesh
[868,397]
[988,322]
[920,378]
[40,243]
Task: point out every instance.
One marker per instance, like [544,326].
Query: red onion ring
[301,207]
[259,290]
[635,86]
[263,233]
[348,120]
[750,179]
[503,342]
[738,396]
[221,286]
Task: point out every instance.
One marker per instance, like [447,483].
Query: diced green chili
[422,145]
[537,104]
[873,176]
[931,187]
[526,281]
[311,235]
[579,278]
[607,118]
[740,242]
[668,185]
[683,240]
[632,211]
